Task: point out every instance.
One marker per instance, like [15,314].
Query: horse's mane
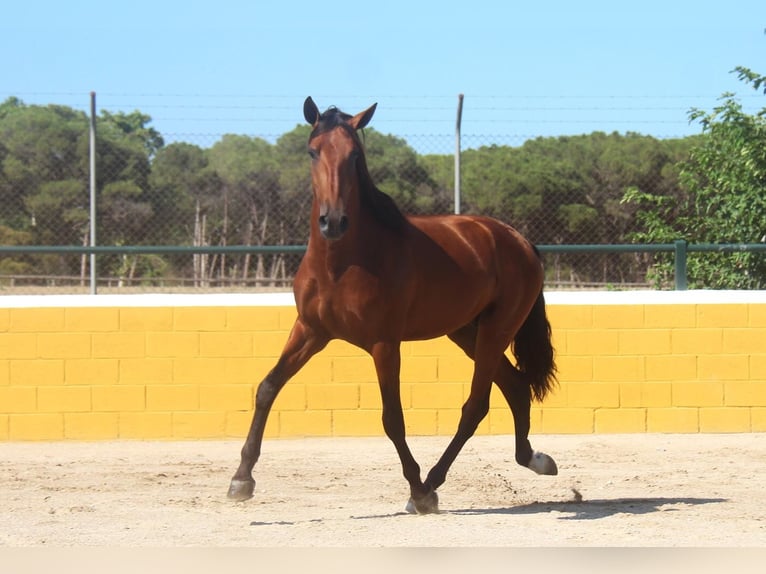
[381,205]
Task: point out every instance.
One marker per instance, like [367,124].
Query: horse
[374,277]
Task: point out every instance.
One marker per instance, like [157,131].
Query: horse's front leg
[302,344]
[387,357]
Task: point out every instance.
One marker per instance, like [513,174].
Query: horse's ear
[310,111]
[361,119]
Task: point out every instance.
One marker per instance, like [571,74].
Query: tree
[723,199]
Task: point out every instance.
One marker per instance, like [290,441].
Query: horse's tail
[534,352]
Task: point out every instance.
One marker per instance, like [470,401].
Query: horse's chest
[349,310]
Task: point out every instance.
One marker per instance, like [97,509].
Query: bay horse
[375,277]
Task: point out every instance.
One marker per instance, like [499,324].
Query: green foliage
[721,198]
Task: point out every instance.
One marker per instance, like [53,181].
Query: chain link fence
[225,190]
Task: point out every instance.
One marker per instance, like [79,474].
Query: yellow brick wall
[184,367]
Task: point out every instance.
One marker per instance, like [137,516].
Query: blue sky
[526,69]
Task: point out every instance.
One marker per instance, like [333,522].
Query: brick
[745,394]
[239,370]
[697,394]
[91,319]
[369,396]
[198,424]
[63,399]
[758,419]
[226,344]
[623,420]
[63,345]
[683,420]
[422,422]
[48,426]
[317,370]
[37,372]
[226,397]
[592,342]
[118,345]
[292,398]
[558,396]
[567,421]
[437,396]
[454,368]
[91,426]
[180,345]
[670,367]
[570,316]
[253,319]
[722,315]
[500,421]
[332,396]
[723,367]
[145,370]
[359,369]
[757,367]
[4,431]
[645,342]
[198,370]
[645,395]
[238,423]
[593,395]
[18,399]
[617,368]
[356,423]
[199,319]
[575,369]
[5,372]
[118,398]
[535,420]
[91,371]
[143,425]
[36,320]
[419,369]
[696,341]
[670,316]
[756,315]
[306,423]
[18,345]
[725,419]
[145,319]
[5,320]
[618,317]
[267,344]
[172,397]
[744,341]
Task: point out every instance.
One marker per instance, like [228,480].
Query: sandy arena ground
[636,491]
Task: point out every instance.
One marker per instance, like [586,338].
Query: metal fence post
[680,260]
[93,273]
[457,152]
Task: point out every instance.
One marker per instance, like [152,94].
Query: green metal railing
[680,248]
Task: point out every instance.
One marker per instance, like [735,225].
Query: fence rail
[679,248]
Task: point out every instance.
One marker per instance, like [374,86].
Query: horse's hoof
[428,504]
[541,463]
[240,490]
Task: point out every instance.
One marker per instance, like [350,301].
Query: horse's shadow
[593,509]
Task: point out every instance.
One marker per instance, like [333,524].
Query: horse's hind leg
[301,345]
[518,396]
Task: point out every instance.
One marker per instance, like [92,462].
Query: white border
[286,299]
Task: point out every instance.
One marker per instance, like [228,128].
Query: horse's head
[335,149]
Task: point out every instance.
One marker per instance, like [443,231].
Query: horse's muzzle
[333,226]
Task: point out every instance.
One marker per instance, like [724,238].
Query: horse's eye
[313,153]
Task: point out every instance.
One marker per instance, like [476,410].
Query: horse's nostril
[343,223]
[323,221]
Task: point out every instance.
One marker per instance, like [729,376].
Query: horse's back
[463,265]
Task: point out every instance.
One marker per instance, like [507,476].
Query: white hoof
[541,463]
